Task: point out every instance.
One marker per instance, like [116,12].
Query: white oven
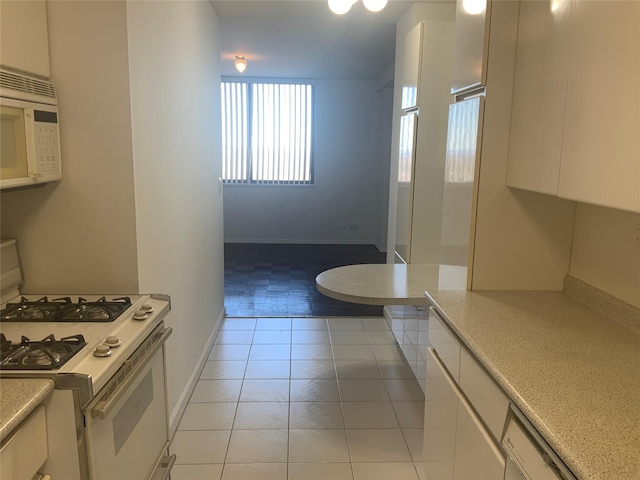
[107,418]
[126,424]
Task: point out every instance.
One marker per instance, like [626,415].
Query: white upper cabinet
[412,67]
[24,40]
[601,141]
[471,45]
[539,95]
[575,129]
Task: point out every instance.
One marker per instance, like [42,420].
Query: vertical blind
[267,133]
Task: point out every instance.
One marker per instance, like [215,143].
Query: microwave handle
[102,408]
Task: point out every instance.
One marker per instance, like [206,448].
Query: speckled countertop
[18,398]
[574,372]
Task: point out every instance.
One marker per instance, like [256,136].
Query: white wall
[79,235]
[175,105]
[606,251]
[346,178]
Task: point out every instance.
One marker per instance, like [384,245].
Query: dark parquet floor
[273,280]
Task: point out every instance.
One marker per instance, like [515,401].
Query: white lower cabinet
[457,445]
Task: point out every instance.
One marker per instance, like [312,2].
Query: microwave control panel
[47,143]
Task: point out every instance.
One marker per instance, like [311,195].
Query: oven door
[127,428]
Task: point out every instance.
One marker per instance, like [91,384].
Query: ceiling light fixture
[240,63]
[340,7]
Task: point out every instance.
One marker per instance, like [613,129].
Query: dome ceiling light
[240,63]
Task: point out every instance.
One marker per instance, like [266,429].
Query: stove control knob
[113,341]
[147,307]
[102,351]
[140,315]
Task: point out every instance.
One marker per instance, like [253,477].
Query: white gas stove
[107,416]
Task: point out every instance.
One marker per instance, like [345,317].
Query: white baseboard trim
[294,241]
[176,414]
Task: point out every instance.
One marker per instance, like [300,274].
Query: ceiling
[303,39]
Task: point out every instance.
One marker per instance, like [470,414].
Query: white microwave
[30,137]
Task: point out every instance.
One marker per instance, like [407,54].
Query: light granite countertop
[18,398]
[574,372]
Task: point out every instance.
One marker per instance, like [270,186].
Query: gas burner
[65,310]
[45,354]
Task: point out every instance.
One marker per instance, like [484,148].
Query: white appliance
[30,136]
[528,455]
[107,417]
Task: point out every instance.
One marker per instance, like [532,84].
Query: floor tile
[357,369]
[318,445]
[404,389]
[385,471]
[216,391]
[310,337]
[369,415]
[362,390]
[262,415]
[347,337]
[206,446]
[316,415]
[409,414]
[197,472]
[273,324]
[353,352]
[223,369]
[375,323]
[314,390]
[238,324]
[230,337]
[268,369]
[270,352]
[414,438]
[377,445]
[265,391]
[208,416]
[311,352]
[379,337]
[320,471]
[254,471]
[344,323]
[309,324]
[272,337]
[257,446]
[312,369]
[387,352]
[229,352]
[395,369]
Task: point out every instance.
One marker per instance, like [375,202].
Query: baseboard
[176,415]
[298,241]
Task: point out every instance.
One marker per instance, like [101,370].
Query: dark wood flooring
[275,280]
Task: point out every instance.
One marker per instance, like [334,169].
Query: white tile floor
[302,399]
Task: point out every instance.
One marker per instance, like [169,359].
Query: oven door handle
[115,392]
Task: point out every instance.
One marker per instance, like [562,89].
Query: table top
[386,284]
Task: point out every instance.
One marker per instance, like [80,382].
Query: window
[267,133]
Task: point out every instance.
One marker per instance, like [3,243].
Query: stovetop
[65,309]
[46,354]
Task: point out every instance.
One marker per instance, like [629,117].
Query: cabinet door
[412,67]
[601,142]
[539,93]
[23,37]
[472,44]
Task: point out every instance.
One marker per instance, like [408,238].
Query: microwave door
[13,145]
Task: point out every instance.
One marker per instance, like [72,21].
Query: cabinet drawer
[445,343]
[486,397]
[26,451]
